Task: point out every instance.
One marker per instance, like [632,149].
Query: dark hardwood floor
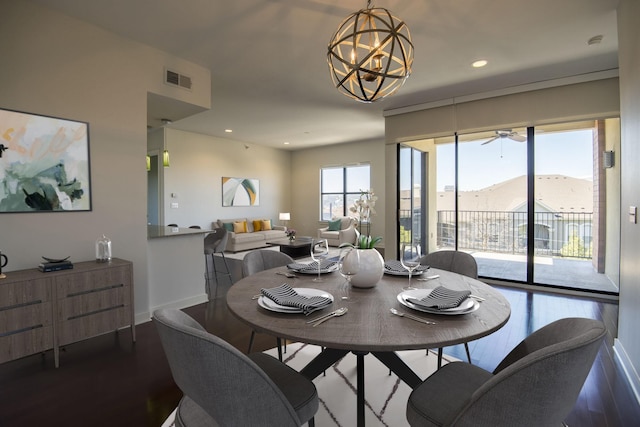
[107,381]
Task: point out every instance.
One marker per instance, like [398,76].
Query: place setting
[440,300]
[288,300]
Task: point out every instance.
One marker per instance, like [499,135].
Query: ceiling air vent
[177,79]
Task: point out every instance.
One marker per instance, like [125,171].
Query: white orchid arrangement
[364,208]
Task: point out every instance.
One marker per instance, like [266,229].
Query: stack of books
[55,266]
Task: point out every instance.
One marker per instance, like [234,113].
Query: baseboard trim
[188,302]
[627,366]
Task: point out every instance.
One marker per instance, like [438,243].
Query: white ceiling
[270,80]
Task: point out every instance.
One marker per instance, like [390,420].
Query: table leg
[322,362]
[360,386]
[392,361]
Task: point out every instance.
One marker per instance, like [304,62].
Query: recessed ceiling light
[286,143]
[480,63]
[228,130]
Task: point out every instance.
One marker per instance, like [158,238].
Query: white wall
[56,65]
[627,345]
[198,163]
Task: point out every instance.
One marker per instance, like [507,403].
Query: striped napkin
[395,266]
[326,265]
[287,296]
[441,298]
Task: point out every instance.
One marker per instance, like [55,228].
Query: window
[340,187]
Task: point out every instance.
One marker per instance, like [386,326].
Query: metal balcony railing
[556,233]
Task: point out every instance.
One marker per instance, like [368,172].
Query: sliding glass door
[532,205]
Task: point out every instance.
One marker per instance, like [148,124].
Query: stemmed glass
[319,252]
[349,261]
[410,254]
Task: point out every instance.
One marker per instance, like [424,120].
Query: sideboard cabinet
[43,311]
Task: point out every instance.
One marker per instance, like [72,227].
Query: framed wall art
[44,164]
[240,191]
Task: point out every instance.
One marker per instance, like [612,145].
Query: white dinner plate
[271,305]
[331,269]
[467,306]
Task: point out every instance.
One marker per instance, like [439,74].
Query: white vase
[371,269]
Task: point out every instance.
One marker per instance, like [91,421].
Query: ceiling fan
[506,133]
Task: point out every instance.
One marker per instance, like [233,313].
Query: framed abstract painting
[240,191]
[44,164]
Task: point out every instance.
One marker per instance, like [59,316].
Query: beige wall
[627,344]
[198,163]
[305,177]
[58,66]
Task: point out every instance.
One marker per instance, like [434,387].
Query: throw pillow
[240,227]
[257,225]
[266,224]
[335,225]
[228,226]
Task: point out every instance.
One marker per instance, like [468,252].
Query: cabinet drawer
[79,328]
[71,285]
[15,294]
[26,317]
[26,343]
[84,304]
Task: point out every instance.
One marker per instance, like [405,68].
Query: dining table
[368,326]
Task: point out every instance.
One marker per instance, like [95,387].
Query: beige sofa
[241,240]
[344,232]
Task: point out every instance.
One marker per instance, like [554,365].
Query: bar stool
[215,242]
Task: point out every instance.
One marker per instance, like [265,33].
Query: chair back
[216,241]
[538,382]
[221,380]
[263,259]
[455,261]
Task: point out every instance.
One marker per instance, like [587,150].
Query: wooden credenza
[43,311]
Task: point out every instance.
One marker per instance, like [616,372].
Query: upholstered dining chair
[457,262]
[215,243]
[536,384]
[222,386]
[257,261]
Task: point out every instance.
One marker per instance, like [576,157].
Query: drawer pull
[91,291]
[24,304]
[91,313]
[21,330]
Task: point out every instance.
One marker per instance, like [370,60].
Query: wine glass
[349,261]
[319,251]
[410,254]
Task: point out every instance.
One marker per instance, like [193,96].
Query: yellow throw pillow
[240,227]
[266,224]
[257,225]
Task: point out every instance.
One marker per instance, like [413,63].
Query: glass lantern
[103,249]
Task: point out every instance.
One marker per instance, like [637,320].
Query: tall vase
[371,269]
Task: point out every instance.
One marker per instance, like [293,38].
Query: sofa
[339,230]
[249,233]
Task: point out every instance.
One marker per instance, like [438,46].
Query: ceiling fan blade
[517,137]
[490,140]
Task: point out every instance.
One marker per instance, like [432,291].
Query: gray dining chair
[260,260]
[215,243]
[536,384]
[222,386]
[456,262]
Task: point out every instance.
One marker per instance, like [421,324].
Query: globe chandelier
[370,55]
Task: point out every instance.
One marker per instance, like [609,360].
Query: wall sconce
[165,158]
[608,159]
[148,163]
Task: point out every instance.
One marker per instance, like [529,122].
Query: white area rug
[386,396]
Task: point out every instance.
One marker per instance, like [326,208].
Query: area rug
[386,396]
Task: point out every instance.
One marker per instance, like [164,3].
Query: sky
[563,153]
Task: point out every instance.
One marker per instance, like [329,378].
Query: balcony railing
[556,233]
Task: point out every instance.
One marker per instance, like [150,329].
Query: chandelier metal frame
[370,55]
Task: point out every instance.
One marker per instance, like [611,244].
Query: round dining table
[369,326]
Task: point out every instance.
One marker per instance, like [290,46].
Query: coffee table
[298,248]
